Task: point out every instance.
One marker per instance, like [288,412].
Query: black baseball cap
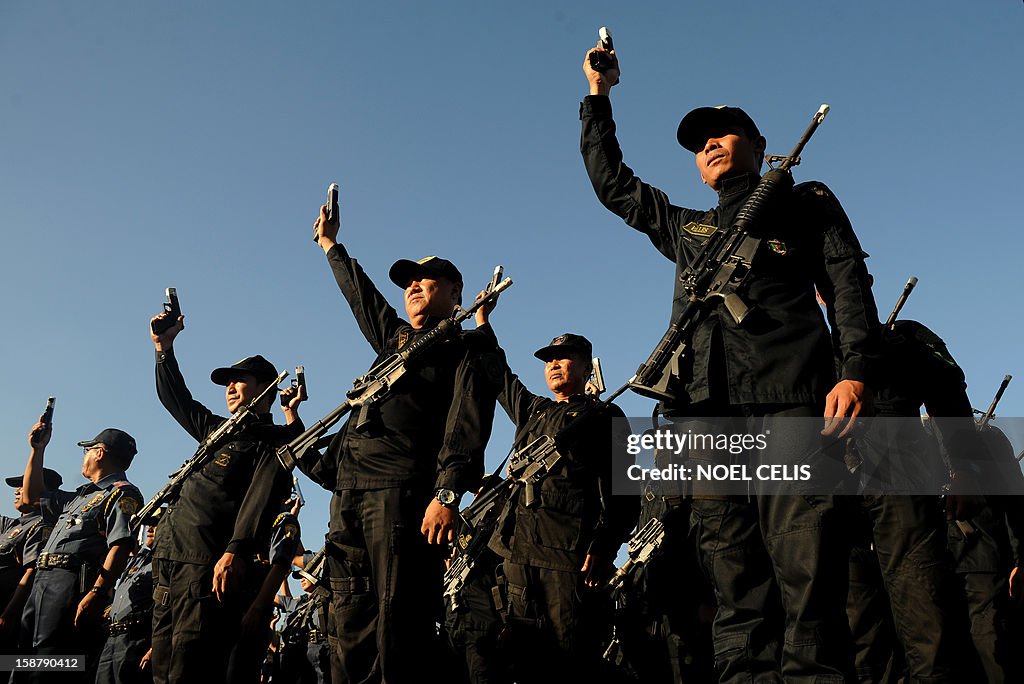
[256,366]
[697,122]
[51,480]
[118,442]
[404,270]
[565,343]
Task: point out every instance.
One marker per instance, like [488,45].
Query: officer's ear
[457,293]
[760,145]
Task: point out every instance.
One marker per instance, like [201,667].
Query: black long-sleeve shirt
[782,352]
[432,427]
[577,513]
[229,504]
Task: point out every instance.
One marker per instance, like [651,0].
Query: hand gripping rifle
[204,454]
[719,272]
[369,389]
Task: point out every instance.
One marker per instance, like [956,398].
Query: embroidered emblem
[464,540]
[128,505]
[701,229]
[223,459]
[403,337]
[777,246]
[95,500]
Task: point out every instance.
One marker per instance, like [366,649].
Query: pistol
[46,418]
[595,385]
[332,208]
[172,309]
[299,383]
[603,61]
[499,271]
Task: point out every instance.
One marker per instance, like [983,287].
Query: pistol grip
[530,495]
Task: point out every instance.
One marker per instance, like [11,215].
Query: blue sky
[189,144]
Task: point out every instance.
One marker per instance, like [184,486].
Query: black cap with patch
[118,442]
[695,124]
[51,480]
[567,343]
[256,366]
[405,270]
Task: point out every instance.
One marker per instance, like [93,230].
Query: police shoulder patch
[128,505]
[701,229]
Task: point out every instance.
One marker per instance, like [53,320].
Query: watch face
[446,496]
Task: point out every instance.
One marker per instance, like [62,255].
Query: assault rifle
[991,412]
[369,389]
[640,548]
[204,454]
[719,272]
[907,289]
[526,467]
[480,518]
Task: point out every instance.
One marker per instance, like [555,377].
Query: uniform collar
[737,185]
[104,483]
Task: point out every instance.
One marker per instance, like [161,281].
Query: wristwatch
[446,497]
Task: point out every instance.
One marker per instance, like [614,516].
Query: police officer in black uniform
[21,540]
[987,559]
[206,570]
[901,581]
[397,479]
[775,367]
[561,547]
[131,620]
[85,553]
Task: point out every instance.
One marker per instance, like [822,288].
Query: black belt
[131,624]
[62,561]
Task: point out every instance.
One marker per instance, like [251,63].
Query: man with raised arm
[399,469]
[207,567]
[764,374]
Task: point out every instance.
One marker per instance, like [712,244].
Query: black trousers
[556,627]
[386,587]
[475,626]
[778,563]
[196,638]
[903,590]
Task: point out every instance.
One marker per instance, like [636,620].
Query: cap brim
[15,481]
[222,376]
[555,350]
[694,125]
[88,443]
[402,271]
[697,121]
